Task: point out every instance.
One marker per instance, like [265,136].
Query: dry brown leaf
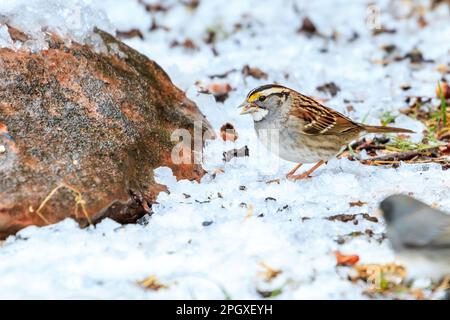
[254,72]
[219,88]
[358,203]
[307,26]
[346,260]
[156,7]
[422,21]
[130,34]
[350,108]
[269,273]
[152,283]
[228,132]
[187,44]
[330,88]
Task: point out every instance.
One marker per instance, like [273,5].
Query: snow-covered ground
[208,239]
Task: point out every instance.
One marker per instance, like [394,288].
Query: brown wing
[320,120]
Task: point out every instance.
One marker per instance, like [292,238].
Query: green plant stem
[443,105]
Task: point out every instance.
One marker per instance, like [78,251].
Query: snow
[219,259]
[5,39]
[73,20]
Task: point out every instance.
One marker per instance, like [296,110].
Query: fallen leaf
[254,72]
[382,30]
[219,90]
[228,132]
[152,283]
[389,48]
[157,7]
[186,44]
[330,88]
[191,4]
[405,87]
[307,26]
[156,26]
[342,217]
[345,260]
[415,56]
[358,203]
[269,273]
[422,22]
[382,62]
[222,75]
[369,217]
[352,217]
[130,34]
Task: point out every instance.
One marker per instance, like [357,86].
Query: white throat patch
[260,114]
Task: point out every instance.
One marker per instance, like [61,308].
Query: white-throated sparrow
[306,130]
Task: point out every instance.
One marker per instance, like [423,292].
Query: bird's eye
[262,98]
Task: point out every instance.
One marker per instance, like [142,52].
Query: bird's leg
[291,173]
[306,174]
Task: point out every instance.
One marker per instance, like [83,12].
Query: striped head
[263,100]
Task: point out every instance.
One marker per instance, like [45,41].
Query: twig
[79,201]
[222,75]
[398,156]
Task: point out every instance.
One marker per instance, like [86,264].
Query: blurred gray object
[420,236]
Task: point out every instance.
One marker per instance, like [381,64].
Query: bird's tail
[381,129]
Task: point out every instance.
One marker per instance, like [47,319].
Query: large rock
[81,132]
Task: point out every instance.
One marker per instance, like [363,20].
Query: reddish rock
[93,124]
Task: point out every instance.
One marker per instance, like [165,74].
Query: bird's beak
[248,107]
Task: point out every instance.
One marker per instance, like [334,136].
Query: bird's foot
[306,174]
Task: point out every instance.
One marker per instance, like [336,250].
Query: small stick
[78,201]
[407,155]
